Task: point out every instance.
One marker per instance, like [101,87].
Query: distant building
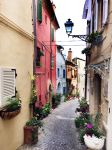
[70,73]
[60,71]
[80,63]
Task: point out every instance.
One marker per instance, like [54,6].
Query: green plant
[34,122]
[46,110]
[13,104]
[82,120]
[91,127]
[84,107]
[56,99]
[93,37]
[33,97]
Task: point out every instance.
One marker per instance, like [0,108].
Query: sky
[72,9]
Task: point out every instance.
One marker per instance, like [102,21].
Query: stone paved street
[59,130]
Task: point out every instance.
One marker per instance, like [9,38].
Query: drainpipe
[35,36]
[86,79]
[50,53]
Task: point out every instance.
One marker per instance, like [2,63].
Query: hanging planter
[94,38]
[4,114]
[97,40]
[11,109]
[94,142]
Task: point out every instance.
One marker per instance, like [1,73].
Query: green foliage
[90,127]
[82,120]
[92,37]
[46,110]
[34,122]
[13,104]
[33,97]
[81,135]
[84,107]
[56,99]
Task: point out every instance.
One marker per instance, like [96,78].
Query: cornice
[15,27]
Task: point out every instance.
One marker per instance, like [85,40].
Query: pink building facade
[46,26]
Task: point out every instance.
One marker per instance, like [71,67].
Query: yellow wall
[16,51]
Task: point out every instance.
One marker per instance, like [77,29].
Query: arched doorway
[59,88]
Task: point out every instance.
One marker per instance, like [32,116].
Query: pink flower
[89,126]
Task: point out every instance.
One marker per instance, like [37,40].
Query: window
[52,61]
[96,16]
[52,34]
[7,84]
[58,71]
[63,73]
[64,90]
[38,57]
[105,11]
[39,10]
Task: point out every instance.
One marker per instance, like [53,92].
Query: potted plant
[31,131]
[84,107]
[93,138]
[91,134]
[11,109]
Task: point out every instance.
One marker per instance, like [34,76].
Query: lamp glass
[68,26]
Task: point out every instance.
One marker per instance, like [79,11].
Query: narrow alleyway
[59,130]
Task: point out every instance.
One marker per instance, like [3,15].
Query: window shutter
[39,10]
[105,11]
[7,84]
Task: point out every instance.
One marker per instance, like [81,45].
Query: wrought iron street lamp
[69,26]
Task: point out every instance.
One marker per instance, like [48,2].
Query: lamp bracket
[81,37]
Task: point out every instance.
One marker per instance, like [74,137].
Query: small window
[58,70]
[7,84]
[39,10]
[64,90]
[63,73]
[52,62]
[52,34]
[38,57]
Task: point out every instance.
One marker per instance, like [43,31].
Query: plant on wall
[12,108]
[94,38]
[33,97]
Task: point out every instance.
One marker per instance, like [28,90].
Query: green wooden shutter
[39,10]
[52,34]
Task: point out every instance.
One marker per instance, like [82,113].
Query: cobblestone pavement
[59,130]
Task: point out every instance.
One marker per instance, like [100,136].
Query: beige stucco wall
[16,51]
[18,11]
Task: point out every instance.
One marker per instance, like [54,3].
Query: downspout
[50,52]
[35,36]
[86,79]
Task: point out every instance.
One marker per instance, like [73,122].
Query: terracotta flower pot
[30,134]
